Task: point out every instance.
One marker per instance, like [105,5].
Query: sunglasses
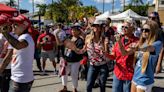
[125,27]
[152,18]
[146,30]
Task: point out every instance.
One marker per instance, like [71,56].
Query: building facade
[158,5]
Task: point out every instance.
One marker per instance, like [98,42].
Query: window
[161,3]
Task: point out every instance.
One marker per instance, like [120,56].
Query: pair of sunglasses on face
[146,30]
[152,18]
[125,27]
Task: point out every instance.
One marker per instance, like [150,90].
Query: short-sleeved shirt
[22,61]
[49,39]
[123,68]
[61,35]
[70,55]
[148,77]
[95,54]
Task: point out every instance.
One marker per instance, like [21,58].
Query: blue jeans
[121,85]
[21,87]
[93,73]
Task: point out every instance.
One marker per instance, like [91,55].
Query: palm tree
[11,3]
[138,6]
[137,2]
[42,9]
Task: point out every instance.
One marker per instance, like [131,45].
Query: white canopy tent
[128,14]
[104,16]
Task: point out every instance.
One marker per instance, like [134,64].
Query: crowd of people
[89,49]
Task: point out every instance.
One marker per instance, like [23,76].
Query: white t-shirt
[61,35]
[2,38]
[22,61]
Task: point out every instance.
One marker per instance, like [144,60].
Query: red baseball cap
[21,19]
[4,18]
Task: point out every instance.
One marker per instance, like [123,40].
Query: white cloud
[38,1]
[4,0]
[105,1]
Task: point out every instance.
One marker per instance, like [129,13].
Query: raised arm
[12,40]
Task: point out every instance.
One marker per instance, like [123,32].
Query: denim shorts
[147,88]
[48,54]
[21,87]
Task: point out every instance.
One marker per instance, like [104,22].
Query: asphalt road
[52,83]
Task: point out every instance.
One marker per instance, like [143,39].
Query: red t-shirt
[49,40]
[124,64]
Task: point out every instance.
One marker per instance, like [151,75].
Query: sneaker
[56,72]
[43,72]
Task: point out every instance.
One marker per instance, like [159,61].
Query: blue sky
[26,4]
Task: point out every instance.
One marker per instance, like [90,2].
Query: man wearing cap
[23,54]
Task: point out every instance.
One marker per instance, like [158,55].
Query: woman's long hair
[89,38]
[151,39]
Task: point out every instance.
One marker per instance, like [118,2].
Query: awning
[8,10]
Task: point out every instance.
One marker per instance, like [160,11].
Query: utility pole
[33,6]
[18,7]
[33,11]
[103,5]
[123,5]
[112,6]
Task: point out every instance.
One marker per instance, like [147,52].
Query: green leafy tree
[42,9]
[11,3]
[64,11]
[138,6]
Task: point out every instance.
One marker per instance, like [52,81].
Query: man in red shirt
[46,42]
[123,70]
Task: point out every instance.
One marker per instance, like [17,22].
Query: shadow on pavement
[158,89]
[47,84]
[158,77]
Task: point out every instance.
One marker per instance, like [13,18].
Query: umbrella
[8,10]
